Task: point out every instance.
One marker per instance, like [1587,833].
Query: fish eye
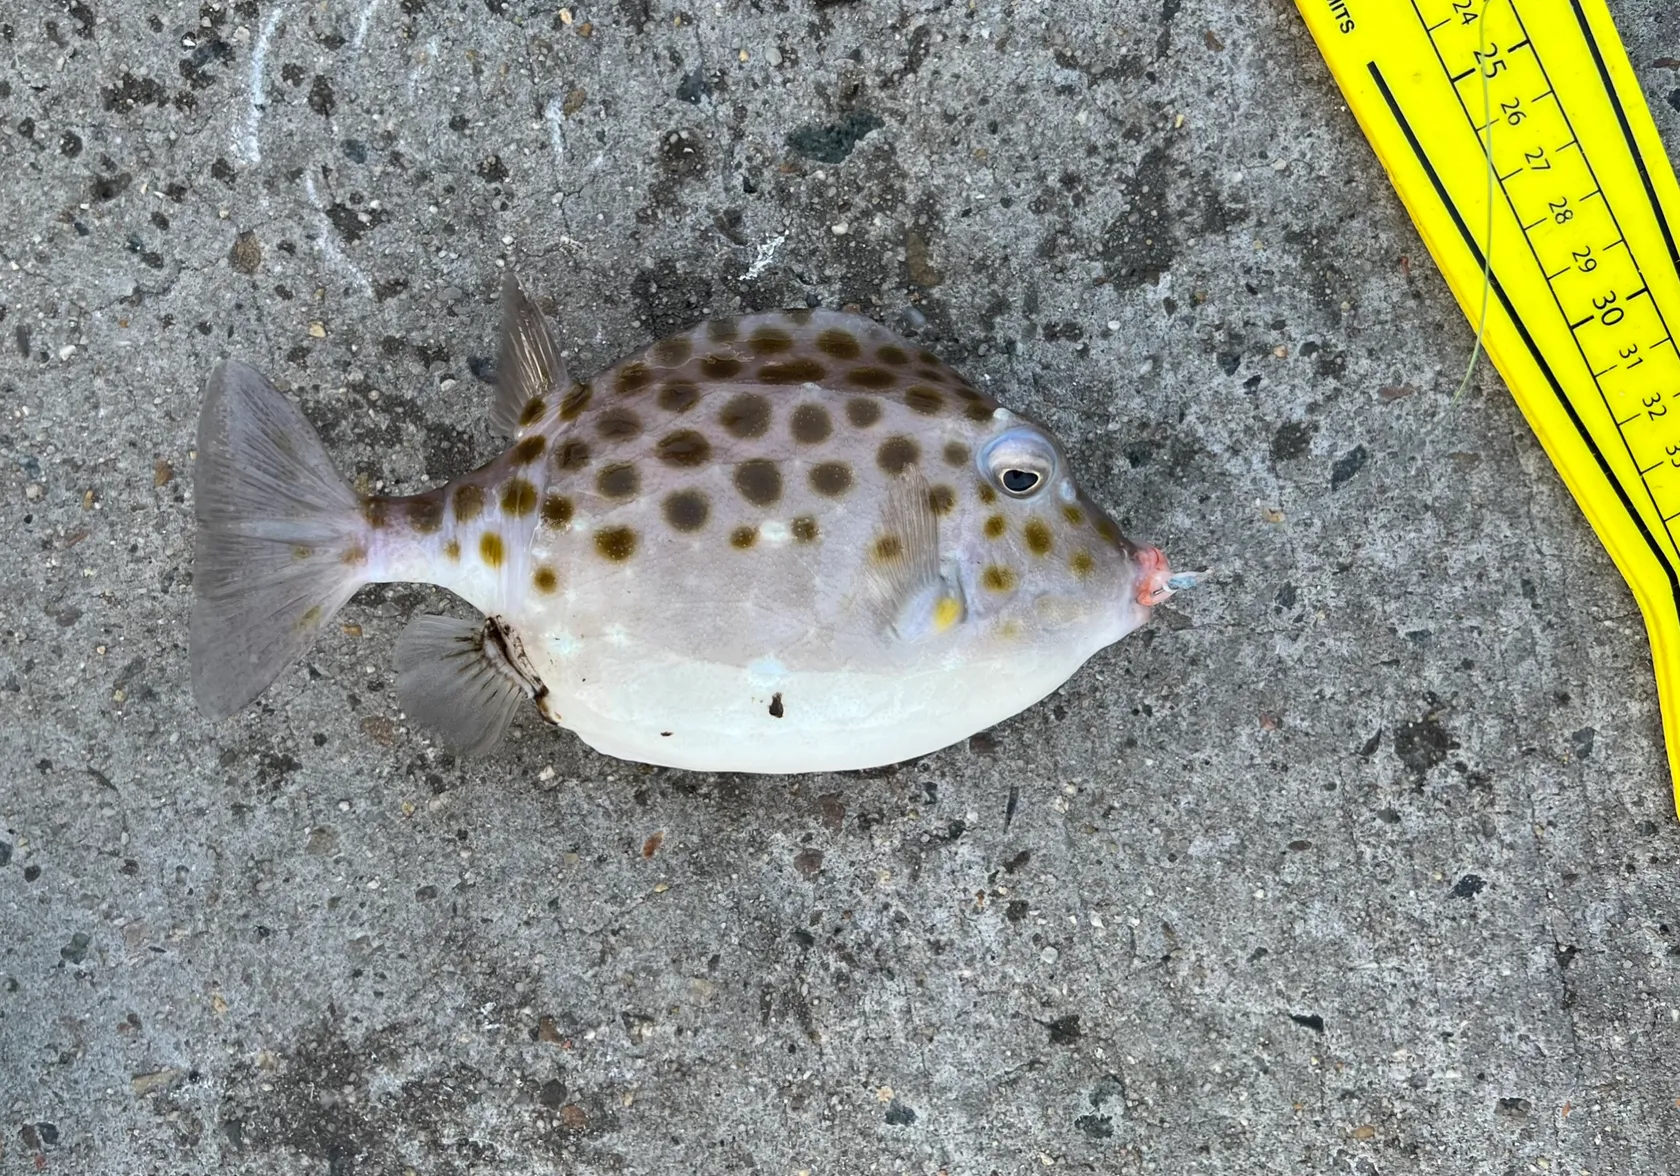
[1020,462]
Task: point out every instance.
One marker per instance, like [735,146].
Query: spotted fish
[781,543]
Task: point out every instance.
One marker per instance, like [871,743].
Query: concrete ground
[1361,859]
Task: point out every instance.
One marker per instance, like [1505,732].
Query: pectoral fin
[530,374]
[459,678]
[915,598]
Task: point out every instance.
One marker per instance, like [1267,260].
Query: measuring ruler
[1580,274]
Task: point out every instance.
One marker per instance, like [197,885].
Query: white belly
[632,701]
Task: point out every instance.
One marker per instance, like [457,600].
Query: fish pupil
[1019,481]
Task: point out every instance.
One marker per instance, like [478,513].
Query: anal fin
[458,678]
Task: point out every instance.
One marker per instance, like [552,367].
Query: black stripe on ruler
[1627,132]
[1522,329]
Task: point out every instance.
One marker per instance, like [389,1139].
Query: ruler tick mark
[1582,323]
[1638,292]
[1457,78]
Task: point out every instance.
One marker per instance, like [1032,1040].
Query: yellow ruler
[1582,281]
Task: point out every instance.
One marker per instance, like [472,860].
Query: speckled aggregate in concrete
[1362,859]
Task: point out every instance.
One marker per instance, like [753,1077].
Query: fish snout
[1156,579]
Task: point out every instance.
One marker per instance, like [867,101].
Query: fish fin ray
[912,598]
[275,523]
[454,677]
[528,363]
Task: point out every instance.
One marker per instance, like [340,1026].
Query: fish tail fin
[280,545]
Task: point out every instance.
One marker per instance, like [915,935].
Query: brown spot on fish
[557,511]
[301,552]
[805,529]
[759,481]
[376,512]
[469,502]
[544,580]
[896,453]
[891,354]
[873,378]
[1038,537]
[618,425]
[862,411]
[353,556]
[769,341]
[792,371]
[1073,515]
[633,377]
[519,498]
[995,527]
[531,448]
[577,399]
[967,392]
[425,512]
[616,543]
[572,455]
[723,330]
[717,366]
[687,510]
[679,396]
[831,478]
[452,550]
[942,500]
[985,493]
[1109,531]
[490,549]
[673,352]
[929,358]
[746,416]
[1081,563]
[924,400]
[742,538]
[310,618]
[997,578]
[619,480]
[888,548]
[978,411]
[685,449]
[799,316]
[810,424]
[532,412]
[956,453]
[840,344]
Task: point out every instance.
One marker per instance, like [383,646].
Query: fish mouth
[1156,579]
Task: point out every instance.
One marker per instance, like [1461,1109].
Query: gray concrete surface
[1361,860]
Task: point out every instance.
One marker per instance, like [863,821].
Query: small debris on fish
[788,542]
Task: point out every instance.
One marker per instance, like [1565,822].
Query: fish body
[781,543]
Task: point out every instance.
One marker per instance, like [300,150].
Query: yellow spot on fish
[519,498]
[888,547]
[616,543]
[1081,563]
[490,549]
[1073,515]
[742,538]
[998,578]
[946,613]
[311,618]
[302,552]
[353,556]
[544,579]
[995,527]
[1038,537]
[452,549]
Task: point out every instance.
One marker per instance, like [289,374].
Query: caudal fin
[277,531]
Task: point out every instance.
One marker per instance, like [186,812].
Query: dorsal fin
[914,598]
[529,370]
